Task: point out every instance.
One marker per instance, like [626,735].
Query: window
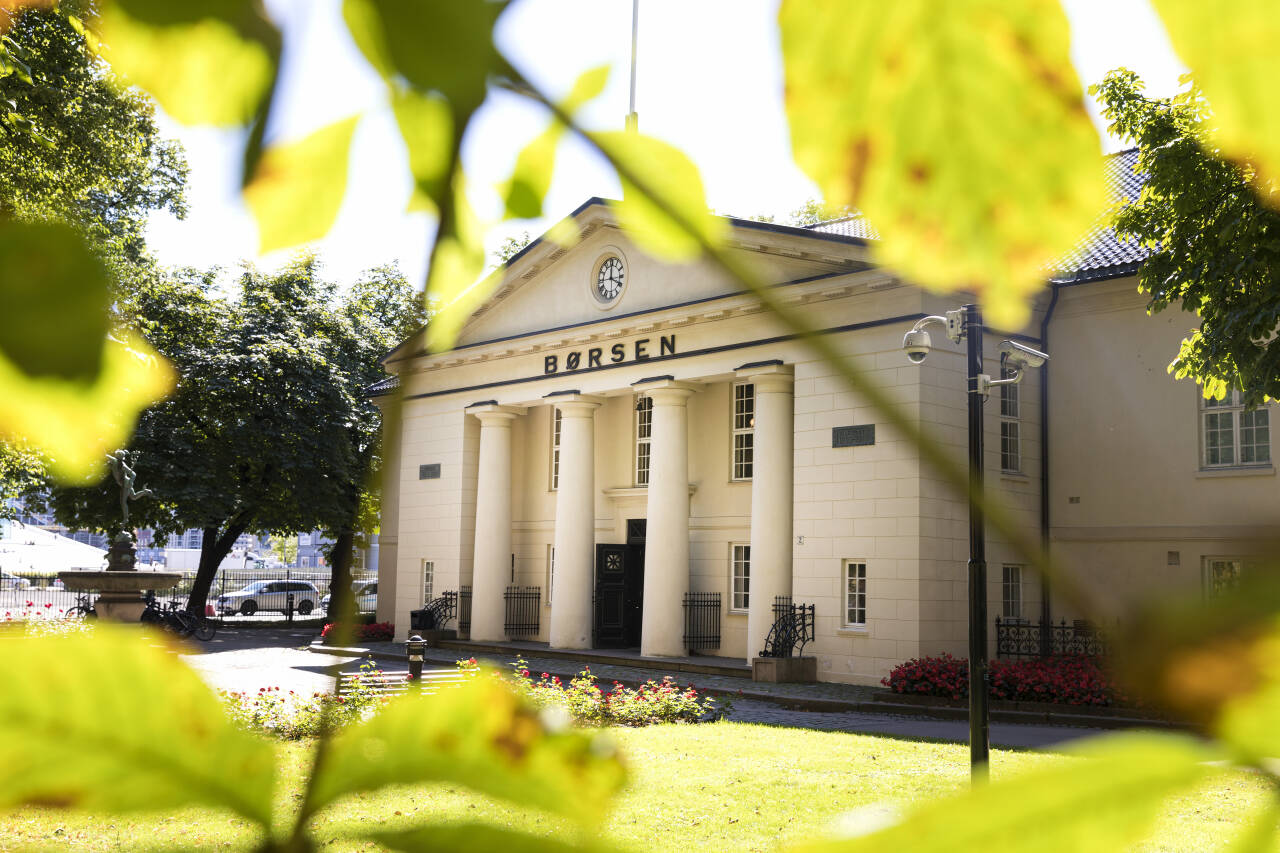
[1010,444]
[1231,436]
[551,572]
[740,576]
[1011,595]
[428,580]
[555,448]
[744,425]
[855,594]
[644,433]
[1222,574]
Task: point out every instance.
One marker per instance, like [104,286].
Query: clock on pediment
[608,278]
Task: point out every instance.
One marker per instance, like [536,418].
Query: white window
[1010,439]
[1232,436]
[744,426]
[428,580]
[740,576]
[1222,574]
[551,572]
[555,448]
[855,594]
[644,433]
[1011,592]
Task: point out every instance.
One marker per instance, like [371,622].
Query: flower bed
[374,632]
[292,716]
[1065,679]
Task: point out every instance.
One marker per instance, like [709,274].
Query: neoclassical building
[626,452]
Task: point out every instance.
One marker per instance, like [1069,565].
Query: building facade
[626,452]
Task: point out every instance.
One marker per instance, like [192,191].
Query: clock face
[609,279]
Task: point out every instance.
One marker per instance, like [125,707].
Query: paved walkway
[249,659]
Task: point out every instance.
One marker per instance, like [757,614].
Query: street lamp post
[966,324]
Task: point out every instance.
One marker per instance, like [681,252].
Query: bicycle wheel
[151,616]
[174,622]
[205,630]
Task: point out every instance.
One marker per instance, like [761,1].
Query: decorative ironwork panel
[523,610]
[1023,638]
[701,620]
[793,629]
[464,610]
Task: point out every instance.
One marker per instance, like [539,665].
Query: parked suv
[270,595]
[8,580]
[365,592]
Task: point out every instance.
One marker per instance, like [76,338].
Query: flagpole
[633,119]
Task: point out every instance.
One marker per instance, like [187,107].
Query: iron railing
[1024,638]
[793,629]
[701,620]
[464,611]
[523,608]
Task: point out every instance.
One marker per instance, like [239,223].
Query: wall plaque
[860,435]
[429,472]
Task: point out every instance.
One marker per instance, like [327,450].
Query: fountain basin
[120,592]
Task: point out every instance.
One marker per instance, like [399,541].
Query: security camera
[917,345]
[1020,356]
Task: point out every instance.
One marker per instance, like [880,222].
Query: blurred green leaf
[1260,835]
[958,128]
[481,735]
[204,61]
[674,181]
[456,264]
[107,721]
[443,46]
[1105,801]
[531,178]
[1230,47]
[55,301]
[426,124]
[451,837]
[297,188]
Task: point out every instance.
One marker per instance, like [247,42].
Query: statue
[125,476]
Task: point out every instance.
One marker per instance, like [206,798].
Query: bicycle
[83,609]
[176,619]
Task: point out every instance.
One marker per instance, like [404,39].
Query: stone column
[666,556]
[772,507]
[575,523]
[492,561]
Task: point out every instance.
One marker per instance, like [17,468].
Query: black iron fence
[464,611]
[1024,638]
[523,608]
[793,629]
[701,620]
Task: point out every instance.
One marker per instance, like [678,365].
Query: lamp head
[916,344]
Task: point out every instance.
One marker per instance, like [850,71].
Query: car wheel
[248,608]
[305,606]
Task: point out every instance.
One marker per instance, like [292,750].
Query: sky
[709,81]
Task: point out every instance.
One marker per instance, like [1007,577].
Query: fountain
[120,585]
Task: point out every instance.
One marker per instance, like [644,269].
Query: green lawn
[720,787]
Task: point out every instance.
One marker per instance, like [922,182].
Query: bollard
[416,646]
[288,608]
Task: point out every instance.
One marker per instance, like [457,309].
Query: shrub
[587,704]
[375,632]
[292,716]
[1066,679]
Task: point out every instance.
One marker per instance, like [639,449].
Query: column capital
[769,376]
[492,414]
[573,404]
[665,390]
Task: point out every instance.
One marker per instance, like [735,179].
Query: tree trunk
[341,600]
[213,550]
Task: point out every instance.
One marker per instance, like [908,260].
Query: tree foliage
[1211,226]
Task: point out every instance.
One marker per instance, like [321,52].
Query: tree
[257,432]
[813,211]
[285,547]
[1213,236]
[511,247]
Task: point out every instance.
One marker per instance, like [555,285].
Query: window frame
[556,424]
[848,608]
[1244,565]
[739,431]
[426,580]
[734,563]
[551,571]
[1011,579]
[643,428]
[1232,406]
[1010,425]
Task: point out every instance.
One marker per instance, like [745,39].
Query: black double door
[619,595]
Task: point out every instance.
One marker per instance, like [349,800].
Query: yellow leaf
[206,63]
[76,423]
[663,227]
[957,126]
[297,189]
[456,264]
[1230,47]
[426,123]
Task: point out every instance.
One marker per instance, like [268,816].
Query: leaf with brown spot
[481,735]
[926,115]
